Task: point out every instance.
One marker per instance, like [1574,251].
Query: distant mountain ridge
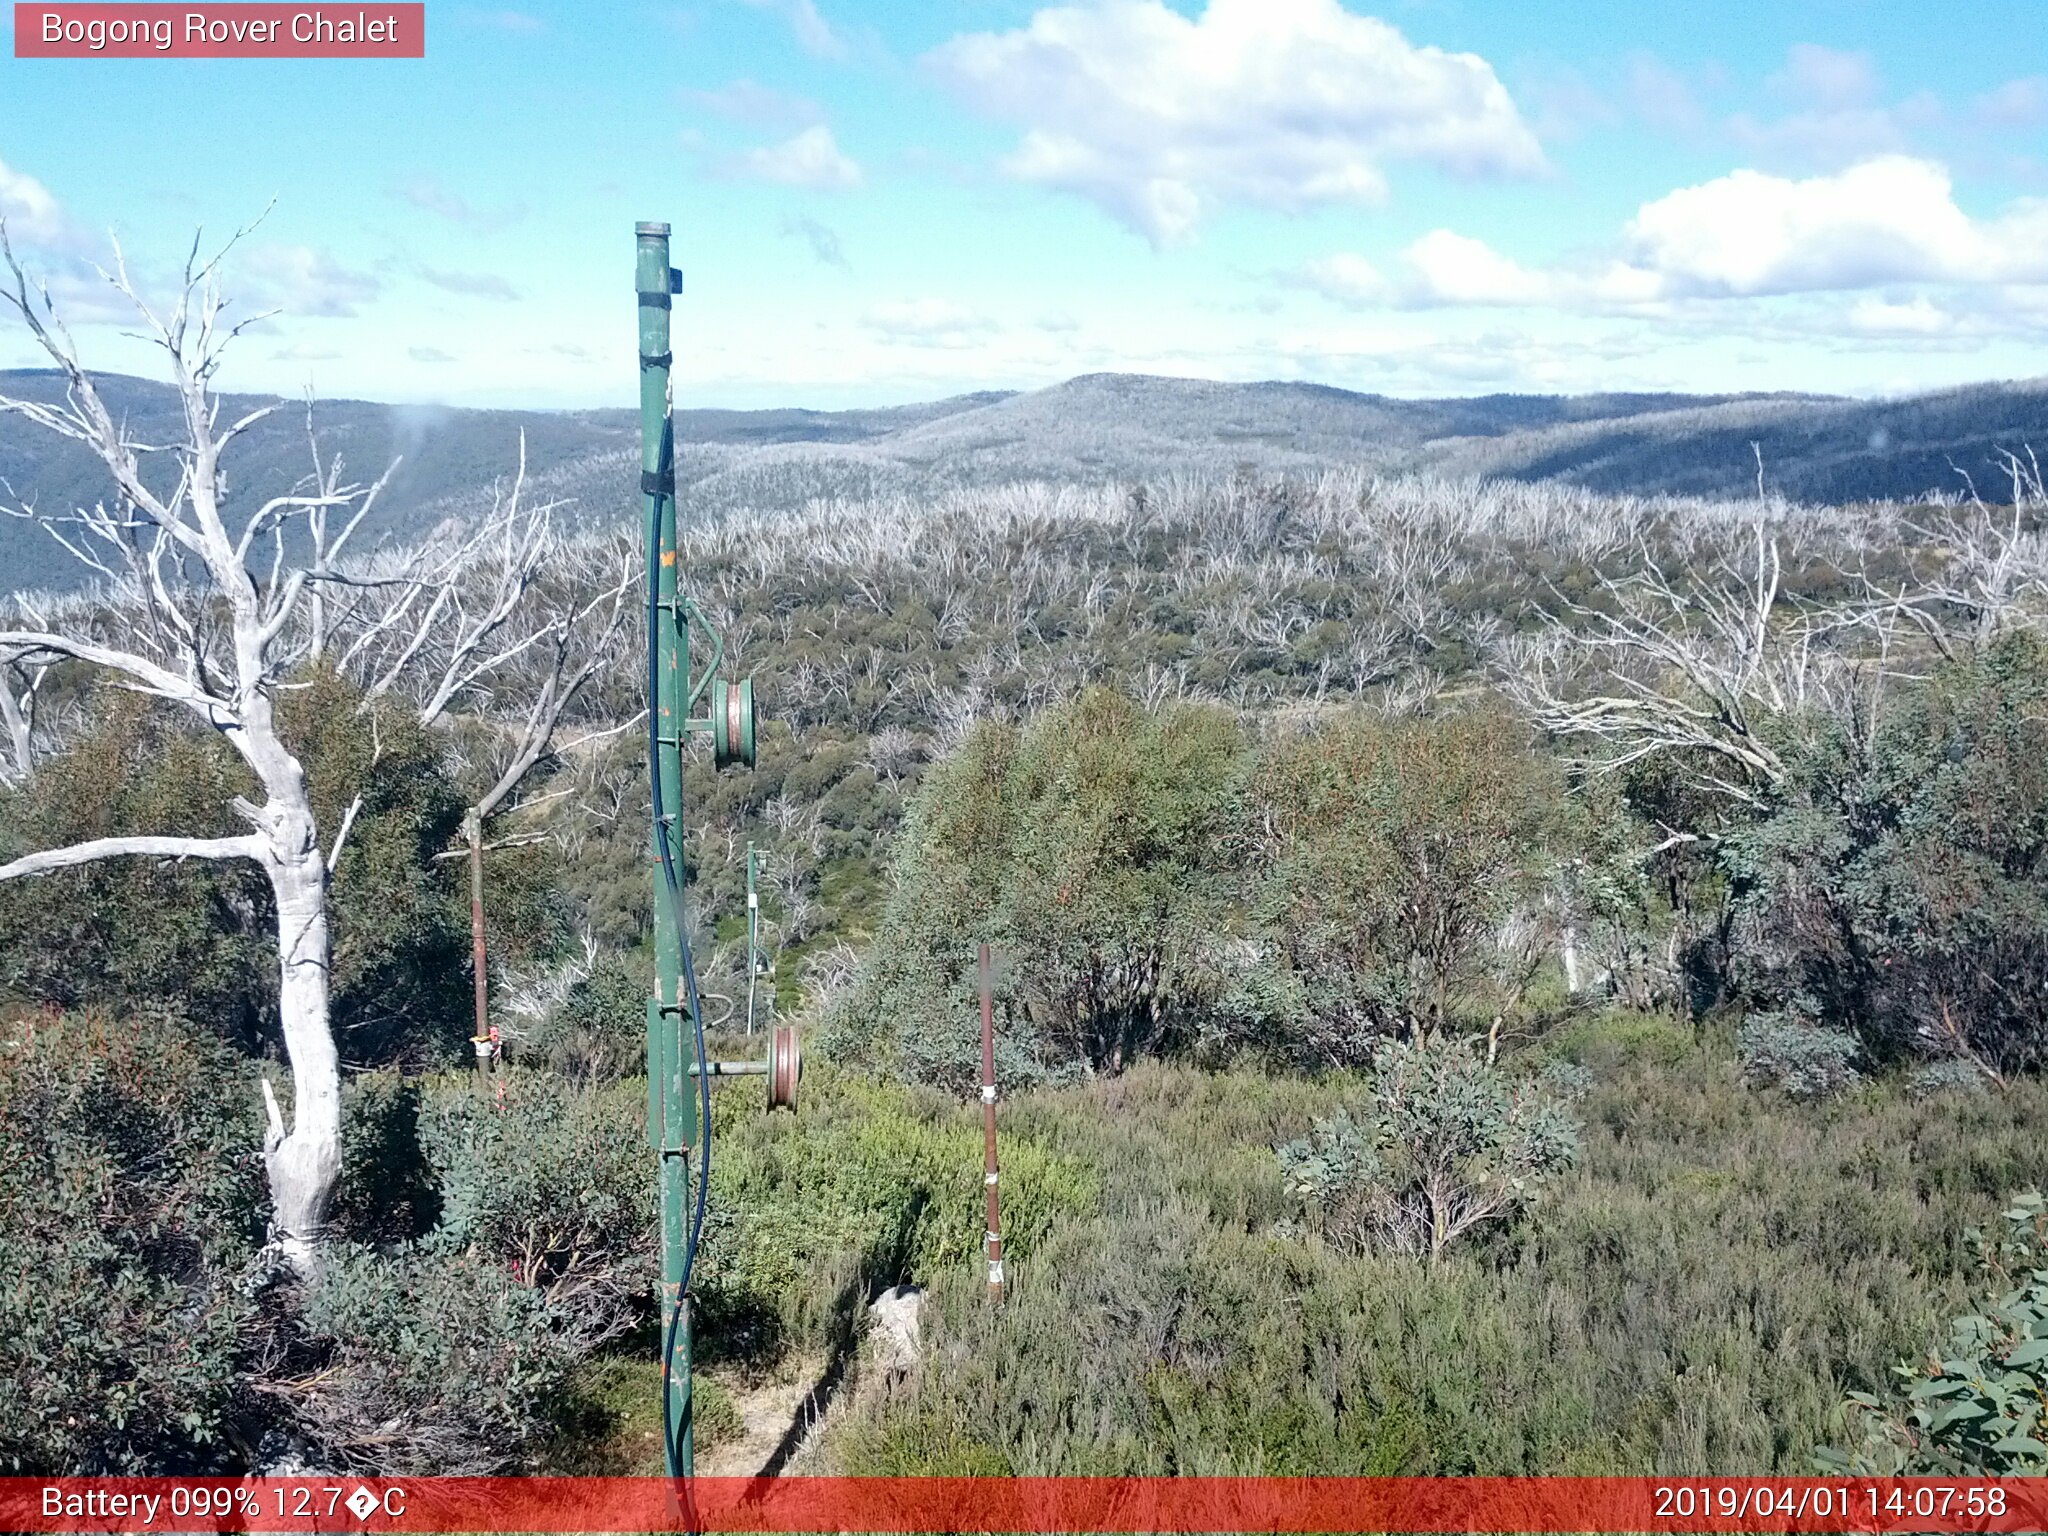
[1103,427]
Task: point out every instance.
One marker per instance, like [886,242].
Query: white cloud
[1874,316]
[304,282]
[822,239]
[811,159]
[32,212]
[1662,97]
[1348,278]
[483,285]
[748,101]
[812,32]
[1454,269]
[929,323]
[1286,104]
[1827,77]
[1886,220]
[1563,104]
[1837,117]
[2021,103]
[427,193]
[299,352]
[518,22]
[1836,136]
[1442,269]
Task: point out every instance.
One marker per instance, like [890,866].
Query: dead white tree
[21,685]
[1693,667]
[1992,571]
[537,620]
[213,606]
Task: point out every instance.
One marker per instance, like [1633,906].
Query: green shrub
[1978,1406]
[1801,1059]
[1091,852]
[455,1353]
[130,1202]
[1392,853]
[433,1363]
[1952,1075]
[1691,1296]
[600,1031]
[1900,886]
[551,1185]
[1446,1141]
[386,1193]
[870,1185]
[1618,1037]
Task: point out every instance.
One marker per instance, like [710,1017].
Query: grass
[1695,1297]
[611,1427]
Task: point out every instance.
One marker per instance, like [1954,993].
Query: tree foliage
[1091,851]
[1898,884]
[1393,854]
[192,936]
[1445,1141]
[129,1204]
[199,937]
[1977,1406]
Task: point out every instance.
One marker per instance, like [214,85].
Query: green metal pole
[672,1108]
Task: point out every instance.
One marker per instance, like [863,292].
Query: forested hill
[449,456]
[1099,427]
[1813,449]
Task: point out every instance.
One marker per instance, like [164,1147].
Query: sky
[877,202]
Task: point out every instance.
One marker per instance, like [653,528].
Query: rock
[893,1329]
[279,1454]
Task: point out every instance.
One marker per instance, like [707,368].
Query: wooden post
[994,1238]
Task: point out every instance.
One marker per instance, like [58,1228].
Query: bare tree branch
[244,847]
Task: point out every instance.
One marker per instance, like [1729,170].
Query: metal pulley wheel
[732,722]
[785,1066]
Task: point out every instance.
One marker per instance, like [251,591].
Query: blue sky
[884,202]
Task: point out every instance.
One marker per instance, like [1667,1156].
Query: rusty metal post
[993,1241]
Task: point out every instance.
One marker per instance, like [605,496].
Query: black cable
[675,895]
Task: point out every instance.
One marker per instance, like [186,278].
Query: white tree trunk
[304,1164]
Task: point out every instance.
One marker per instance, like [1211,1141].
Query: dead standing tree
[207,606]
[1705,670]
[21,685]
[1692,667]
[505,610]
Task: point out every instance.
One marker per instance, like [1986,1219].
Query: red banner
[237,31]
[919,1504]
